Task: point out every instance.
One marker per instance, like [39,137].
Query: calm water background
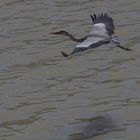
[43,96]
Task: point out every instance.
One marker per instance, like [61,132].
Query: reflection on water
[93,126]
[45,96]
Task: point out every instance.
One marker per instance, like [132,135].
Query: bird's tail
[64,54]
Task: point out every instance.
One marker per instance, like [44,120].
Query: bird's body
[101,33]
[90,42]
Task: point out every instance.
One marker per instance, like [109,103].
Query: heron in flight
[101,33]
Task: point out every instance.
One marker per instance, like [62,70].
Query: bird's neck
[75,39]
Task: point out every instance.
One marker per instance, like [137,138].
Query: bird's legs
[127,49]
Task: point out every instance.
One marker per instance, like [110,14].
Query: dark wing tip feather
[95,17]
[92,18]
[101,14]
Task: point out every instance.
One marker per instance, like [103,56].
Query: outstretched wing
[89,43]
[102,25]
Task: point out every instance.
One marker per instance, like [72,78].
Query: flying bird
[101,33]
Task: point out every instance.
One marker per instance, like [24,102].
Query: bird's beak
[53,33]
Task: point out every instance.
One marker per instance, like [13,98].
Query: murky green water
[43,96]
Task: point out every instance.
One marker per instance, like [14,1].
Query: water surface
[92,95]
